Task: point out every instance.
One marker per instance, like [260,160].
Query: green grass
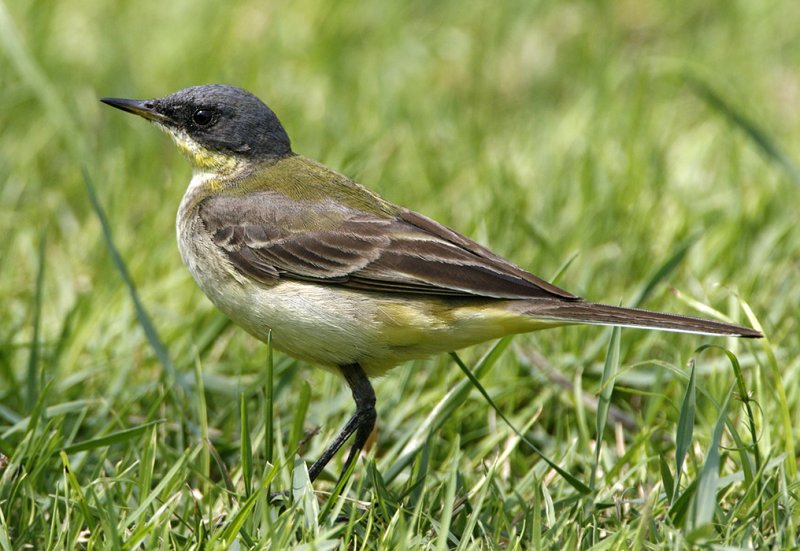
[642,154]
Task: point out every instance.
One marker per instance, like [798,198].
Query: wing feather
[268,236]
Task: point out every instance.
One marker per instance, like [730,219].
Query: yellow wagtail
[341,277]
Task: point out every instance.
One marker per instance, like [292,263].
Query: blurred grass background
[616,135]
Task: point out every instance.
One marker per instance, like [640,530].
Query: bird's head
[217,127]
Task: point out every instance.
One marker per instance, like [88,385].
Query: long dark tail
[580,311]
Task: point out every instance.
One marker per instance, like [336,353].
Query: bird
[337,275]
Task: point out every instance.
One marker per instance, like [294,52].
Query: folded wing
[269,236]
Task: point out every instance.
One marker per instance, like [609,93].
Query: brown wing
[268,236]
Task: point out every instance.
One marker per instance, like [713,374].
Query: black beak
[143,108]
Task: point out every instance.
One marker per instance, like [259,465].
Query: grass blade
[666,478]
[144,319]
[563,268]
[269,402]
[113,438]
[685,431]
[442,411]
[606,389]
[202,342]
[199,396]
[76,487]
[5,539]
[705,499]
[237,521]
[303,495]
[744,396]
[762,140]
[33,358]
[148,462]
[664,270]
[175,476]
[775,377]
[537,527]
[155,520]
[574,482]
[449,499]
[245,447]
[680,508]
[299,418]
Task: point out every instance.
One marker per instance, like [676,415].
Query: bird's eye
[202,117]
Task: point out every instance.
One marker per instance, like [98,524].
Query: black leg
[362,422]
